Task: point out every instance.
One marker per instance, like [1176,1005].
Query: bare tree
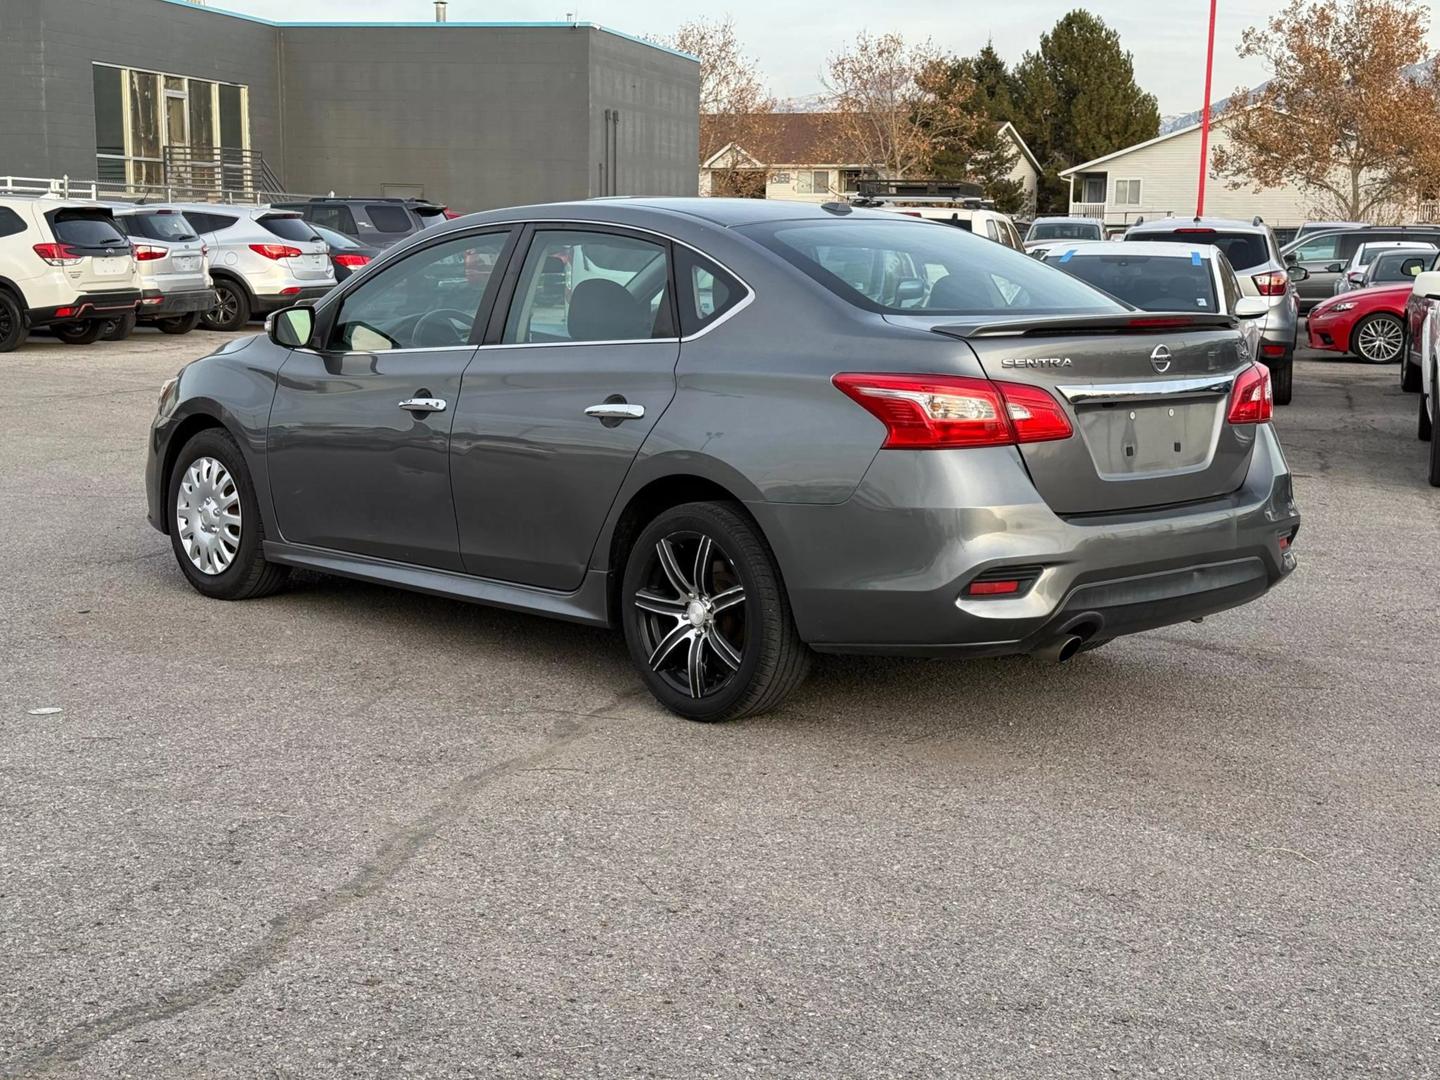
[895,104]
[735,105]
[1339,117]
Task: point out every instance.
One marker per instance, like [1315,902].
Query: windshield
[918,268]
[1151,282]
[1064,230]
[1243,249]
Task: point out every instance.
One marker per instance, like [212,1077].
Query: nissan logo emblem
[1160,359]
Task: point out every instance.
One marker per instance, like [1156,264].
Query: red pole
[1205,117]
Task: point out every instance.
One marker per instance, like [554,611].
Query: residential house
[1159,178]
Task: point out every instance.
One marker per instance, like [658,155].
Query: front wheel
[706,617]
[215,526]
[1379,339]
[79,333]
[231,310]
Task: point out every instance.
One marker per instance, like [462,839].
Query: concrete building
[139,93]
[1159,177]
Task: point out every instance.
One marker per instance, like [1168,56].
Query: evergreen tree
[979,86]
[1076,99]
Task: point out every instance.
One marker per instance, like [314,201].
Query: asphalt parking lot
[352,832]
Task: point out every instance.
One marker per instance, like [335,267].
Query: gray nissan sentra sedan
[739,430]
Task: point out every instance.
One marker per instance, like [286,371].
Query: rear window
[1244,250]
[86,229]
[915,268]
[158,226]
[388,218]
[288,228]
[1151,282]
[1064,230]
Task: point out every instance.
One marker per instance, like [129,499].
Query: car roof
[1066,219]
[656,210]
[1164,249]
[245,211]
[1218,224]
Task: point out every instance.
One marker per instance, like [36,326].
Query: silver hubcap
[692,614]
[1379,340]
[207,515]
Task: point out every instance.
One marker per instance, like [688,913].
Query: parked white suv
[261,260]
[63,265]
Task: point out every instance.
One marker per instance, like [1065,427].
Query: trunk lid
[1147,397]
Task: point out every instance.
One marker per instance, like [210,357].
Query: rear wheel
[13,330]
[79,333]
[1280,379]
[1379,339]
[706,617]
[1409,377]
[180,324]
[231,310]
[118,328]
[215,526]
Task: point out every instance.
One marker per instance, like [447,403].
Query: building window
[1127,192]
[813,181]
[144,119]
[1093,189]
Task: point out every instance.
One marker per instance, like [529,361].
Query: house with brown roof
[805,157]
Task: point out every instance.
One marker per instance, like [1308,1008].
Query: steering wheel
[441,327]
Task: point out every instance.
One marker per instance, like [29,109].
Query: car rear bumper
[885,573]
[155,304]
[93,305]
[268,302]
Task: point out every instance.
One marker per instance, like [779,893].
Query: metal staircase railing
[219,173]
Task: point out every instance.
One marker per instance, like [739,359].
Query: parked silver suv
[261,260]
[1253,252]
[174,276]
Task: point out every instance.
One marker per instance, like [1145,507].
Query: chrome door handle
[616,410]
[423,404]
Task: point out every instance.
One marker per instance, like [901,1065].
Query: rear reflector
[63,312]
[935,412]
[293,290]
[1251,401]
[993,588]
[1269,349]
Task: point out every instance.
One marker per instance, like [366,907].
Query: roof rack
[963,193]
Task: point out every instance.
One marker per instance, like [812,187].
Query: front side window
[1324,249]
[915,268]
[427,300]
[1150,282]
[590,286]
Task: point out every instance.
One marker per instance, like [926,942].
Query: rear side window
[158,226]
[389,218]
[288,228]
[338,218]
[1244,250]
[1153,283]
[706,291]
[914,268]
[84,229]
[209,223]
[10,222]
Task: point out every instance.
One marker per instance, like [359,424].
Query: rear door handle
[616,410]
[423,404]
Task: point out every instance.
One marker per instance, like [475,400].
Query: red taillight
[933,412]
[1272,284]
[1161,322]
[1270,348]
[58,254]
[1251,401]
[146,252]
[351,260]
[1195,232]
[276,251]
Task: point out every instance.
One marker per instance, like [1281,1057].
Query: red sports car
[1367,322]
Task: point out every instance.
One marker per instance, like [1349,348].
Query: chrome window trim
[1142,391]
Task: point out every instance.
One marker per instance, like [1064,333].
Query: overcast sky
[1167,40]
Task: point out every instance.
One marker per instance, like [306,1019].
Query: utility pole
[1205,118]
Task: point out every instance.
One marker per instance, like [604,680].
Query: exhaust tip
[1069,646]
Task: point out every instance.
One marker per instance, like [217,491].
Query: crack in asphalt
[392,855]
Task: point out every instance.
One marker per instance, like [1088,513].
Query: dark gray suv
[739,430]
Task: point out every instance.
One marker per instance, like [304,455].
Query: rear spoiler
[1124,323]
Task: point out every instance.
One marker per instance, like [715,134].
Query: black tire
[1434,442]
[1425,428]
[773,660]
[118,328]
[1410,380]
[1281,378]
[179,324]
[1394,331]
[232,307]
[79,333]
[247,575]
[13,330]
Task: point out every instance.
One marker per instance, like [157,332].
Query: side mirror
[291,327]
[1427,285]
[1298,273]
[1251,307]
[909,289]
[1334,268]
